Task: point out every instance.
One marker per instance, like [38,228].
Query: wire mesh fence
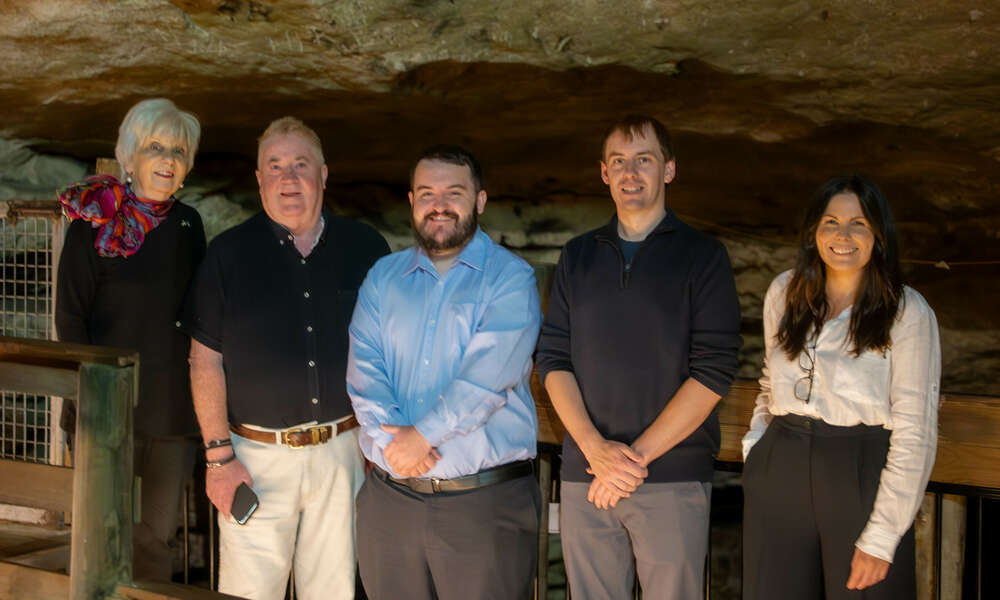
[27,247]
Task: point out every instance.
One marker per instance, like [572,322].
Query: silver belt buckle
[435,485]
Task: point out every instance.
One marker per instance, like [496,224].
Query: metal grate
[26,305]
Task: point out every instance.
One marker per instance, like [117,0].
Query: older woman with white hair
[128,257]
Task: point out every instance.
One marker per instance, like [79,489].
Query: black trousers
[809,489]
[472,545]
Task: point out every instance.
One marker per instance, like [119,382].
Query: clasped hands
[409,453]
[618,471]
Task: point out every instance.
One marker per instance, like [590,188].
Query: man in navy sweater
[639,344]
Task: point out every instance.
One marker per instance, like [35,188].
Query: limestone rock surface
[765,99]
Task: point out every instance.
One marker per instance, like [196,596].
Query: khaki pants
[305,519]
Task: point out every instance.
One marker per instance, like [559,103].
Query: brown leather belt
[297,437]
[433,485]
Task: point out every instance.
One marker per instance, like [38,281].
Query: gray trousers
[808,491]
[661,532]
[476,545]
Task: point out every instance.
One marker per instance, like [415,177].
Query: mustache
[441,213]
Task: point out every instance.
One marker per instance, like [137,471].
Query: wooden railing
[99,490]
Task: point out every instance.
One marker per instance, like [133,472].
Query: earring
[128,178]
[182,184]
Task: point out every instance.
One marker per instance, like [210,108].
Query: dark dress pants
[475,545]
[165,466]
[809,489]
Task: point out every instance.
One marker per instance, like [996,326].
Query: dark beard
[464,230]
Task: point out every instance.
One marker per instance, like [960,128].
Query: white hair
[156,116]
[289,126]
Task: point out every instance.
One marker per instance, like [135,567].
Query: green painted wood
[101,555]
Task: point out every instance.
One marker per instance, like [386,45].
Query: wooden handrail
[62,354]
[968,450]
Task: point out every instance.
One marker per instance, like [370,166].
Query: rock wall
[765,100]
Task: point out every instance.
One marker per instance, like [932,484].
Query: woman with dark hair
[125,266]
[844,434]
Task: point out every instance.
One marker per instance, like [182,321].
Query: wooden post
[545,485]
[101,556]
[925,527]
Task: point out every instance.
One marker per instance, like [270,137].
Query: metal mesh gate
[29,245]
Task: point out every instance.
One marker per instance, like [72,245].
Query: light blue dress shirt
[448,354]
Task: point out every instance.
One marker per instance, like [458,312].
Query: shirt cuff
[878,542]
[432,428]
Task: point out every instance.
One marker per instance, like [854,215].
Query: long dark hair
[880,293]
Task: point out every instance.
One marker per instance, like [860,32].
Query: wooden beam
[968,443]
[168,591]
[36,485]
[34,379]
[62,354]
[101,556]
[55,558]
[18,582]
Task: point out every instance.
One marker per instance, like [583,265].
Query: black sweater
[134,303]
[633,336]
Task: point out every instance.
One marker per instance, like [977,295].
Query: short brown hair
[291,125]
[633,125]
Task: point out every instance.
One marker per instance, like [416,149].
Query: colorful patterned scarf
[122,218]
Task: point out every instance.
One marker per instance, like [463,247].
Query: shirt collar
[284,235]
[473,255]
[610,231]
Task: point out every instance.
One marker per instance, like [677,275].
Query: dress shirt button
[315,400]
[427,362]
[309,328]
[282,242]
[305,294]
[303,261]
[289,237]
[312,363]
[432,321]
[420,400]
[177,323]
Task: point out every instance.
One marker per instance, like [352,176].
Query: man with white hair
[269,312]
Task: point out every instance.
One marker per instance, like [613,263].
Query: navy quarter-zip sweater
[631,336]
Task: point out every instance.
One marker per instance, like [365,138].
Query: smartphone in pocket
[244,503]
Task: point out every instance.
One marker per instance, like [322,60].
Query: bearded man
[440,355]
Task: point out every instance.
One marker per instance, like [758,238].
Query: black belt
[434,485]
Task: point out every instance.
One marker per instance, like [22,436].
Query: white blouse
[898,390]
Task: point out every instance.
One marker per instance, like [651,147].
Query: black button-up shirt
[280,320]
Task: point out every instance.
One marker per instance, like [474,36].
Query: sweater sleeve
[554,348]
[76,286]
[715,323]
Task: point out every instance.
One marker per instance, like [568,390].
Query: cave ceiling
[766,98]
